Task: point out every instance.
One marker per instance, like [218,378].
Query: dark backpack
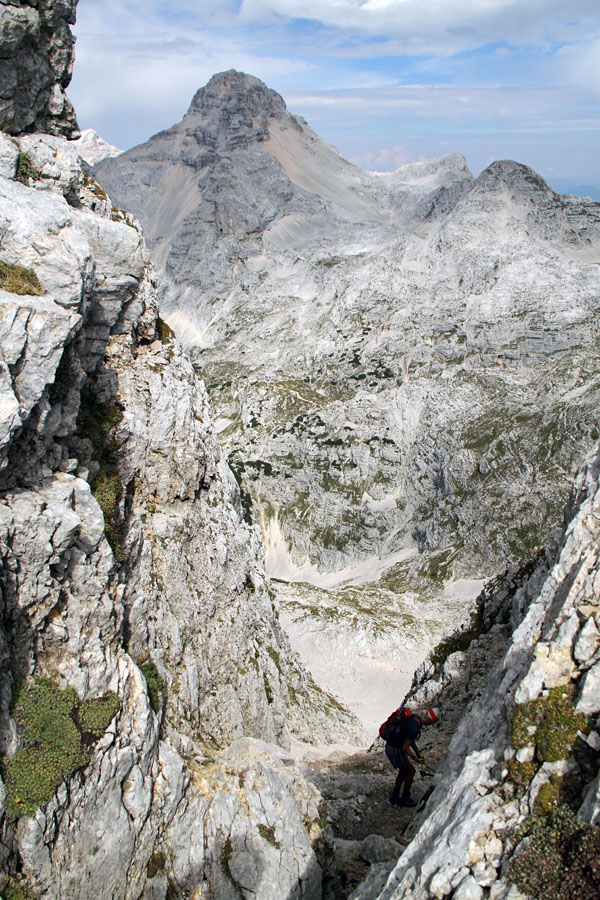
[393,730]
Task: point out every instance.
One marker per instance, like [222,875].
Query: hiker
[400,745]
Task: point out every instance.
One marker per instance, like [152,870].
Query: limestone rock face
[126,567]
[36,64]
[532,671]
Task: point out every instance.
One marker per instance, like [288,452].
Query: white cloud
[580,66]
[442,26]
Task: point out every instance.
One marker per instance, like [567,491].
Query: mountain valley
[404,368]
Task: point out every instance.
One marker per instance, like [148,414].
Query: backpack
[393,729]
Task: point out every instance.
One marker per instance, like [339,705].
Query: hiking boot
[406,800]
[395,798]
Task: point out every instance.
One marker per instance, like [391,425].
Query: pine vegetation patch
[19,280]
[57,732]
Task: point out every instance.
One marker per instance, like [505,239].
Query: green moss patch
[95,421]
[459,640]
[57,733]
[561,860]
[153,683]
[268,833]
[522,774]
[26,170]
[166,335]
[19,280]
[550,723]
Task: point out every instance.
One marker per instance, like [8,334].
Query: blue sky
[386,81]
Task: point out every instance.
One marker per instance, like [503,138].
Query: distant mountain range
[399,361]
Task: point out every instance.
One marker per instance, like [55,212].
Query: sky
[387,82]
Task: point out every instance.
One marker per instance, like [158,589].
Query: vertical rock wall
[36,64]
[529,740]
[129,583]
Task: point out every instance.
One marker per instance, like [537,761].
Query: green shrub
[26,170]
[153,683]
[18,890]
[19,280]
[94,716]
[54,742]
[561,859]
[165,333]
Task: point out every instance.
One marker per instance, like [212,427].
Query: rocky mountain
[146,686]
[92,148]
[404,367]
[139,638]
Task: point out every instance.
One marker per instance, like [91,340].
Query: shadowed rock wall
[36,64]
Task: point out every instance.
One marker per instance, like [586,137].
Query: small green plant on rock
[95,421]
[19,280]
[57,732]
[26,169]
[560,860]
[268,833]
[550,723]
[153,683]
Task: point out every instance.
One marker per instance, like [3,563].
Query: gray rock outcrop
[129,583]
[522,748]
[36,64]
[92,148]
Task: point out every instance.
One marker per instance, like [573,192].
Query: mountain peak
[235,92]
